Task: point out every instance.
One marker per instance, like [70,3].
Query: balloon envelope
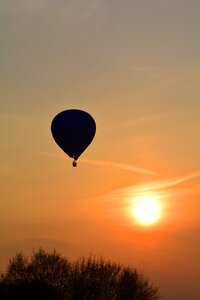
[73,130]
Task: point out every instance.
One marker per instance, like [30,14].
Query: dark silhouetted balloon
[73,130]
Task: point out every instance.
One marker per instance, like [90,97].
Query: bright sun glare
[146,209]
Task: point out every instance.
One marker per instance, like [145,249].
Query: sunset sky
[134,66]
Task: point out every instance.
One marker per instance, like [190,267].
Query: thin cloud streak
[138,121]
[117,165]
[161,184]
[154,185]
[107,164]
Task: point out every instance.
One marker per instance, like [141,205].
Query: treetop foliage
[53,277]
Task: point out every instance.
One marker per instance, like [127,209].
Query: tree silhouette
[51,276]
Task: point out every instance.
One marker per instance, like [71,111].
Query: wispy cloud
[164,77]
[163,184]
[127,167]
[106,164]
[159,184]
[136,121]
[150,186]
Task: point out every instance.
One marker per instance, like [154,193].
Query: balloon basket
[74,163]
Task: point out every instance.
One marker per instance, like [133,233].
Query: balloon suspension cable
[74,163]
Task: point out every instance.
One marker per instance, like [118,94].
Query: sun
[146,209]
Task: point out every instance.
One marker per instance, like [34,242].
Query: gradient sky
[134,66]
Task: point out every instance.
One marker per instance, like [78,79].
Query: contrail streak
[167,183]
[127,167]
[154,185]
[108,164]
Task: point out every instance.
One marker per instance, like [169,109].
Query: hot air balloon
[73,130]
